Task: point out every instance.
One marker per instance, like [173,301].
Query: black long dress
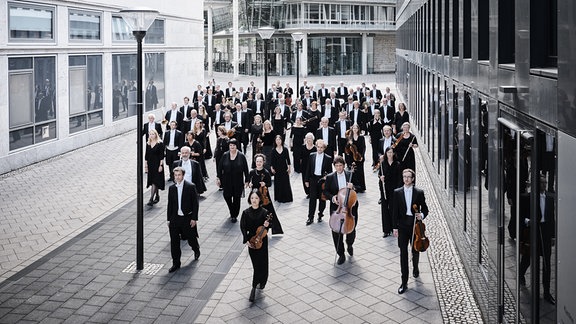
[358,178]
[392,179]
[305,158]
[268,146]
[257,176]
[297,134]
[404,144]
[232,175]
[221,148]
[201,138]
[255,134]
[279,125]
[154,155]
[249,222]
[281,162]
[400,119]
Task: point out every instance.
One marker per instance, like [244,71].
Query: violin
[421,242]
[261,232]
[342,220]
[264,191]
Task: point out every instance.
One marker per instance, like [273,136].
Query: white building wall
[183,50]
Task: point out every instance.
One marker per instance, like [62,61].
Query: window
[32,100]
[483,31]
[84,25]
[86,96]
[120,30]
[30,22]
[467,22]
[543,33]
[455,28]
[506,31]
[155,34]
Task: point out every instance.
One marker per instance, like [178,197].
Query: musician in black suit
[322,93]
[357,116]
[173,140]
[243,126]
[376,93]
[300,112]
[328,110]
[388,112]
[335,101]
[546,234]
[182,217]
[342,125]
[193,170]
[315,171]
[174,114]
[328,134]
[335,181]
[403,217]
[217,116]
[374,128]
[342,91]
[229,93]
[218,94]
[151,124]
[258,107]
[198,94]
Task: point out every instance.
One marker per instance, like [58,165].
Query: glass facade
[84,25]
[32,100]
[30,22]
[85,92]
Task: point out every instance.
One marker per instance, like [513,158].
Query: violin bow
[409,147]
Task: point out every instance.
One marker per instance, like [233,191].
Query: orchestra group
[261,138]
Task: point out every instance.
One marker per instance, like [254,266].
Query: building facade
[69,71]
[340,37]
[490,86]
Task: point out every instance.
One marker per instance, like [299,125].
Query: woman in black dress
[355,160]
[400,118]
[195,147]
[260,179]
[297,133]
[200,134]
[280,167]
[390,177]
[279,123]
[256,137]
[405,148]
[252,218]
[221,145]
[307,148]
[233,176]
[313,123]
[154,166]
[268,143]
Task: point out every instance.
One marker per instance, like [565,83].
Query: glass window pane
[77,124]
[155,34]
[120,30]
[78,93]
[95,119]
[154,72]
[84,25]
[31,22]
[124,71]
[45,132]
[20,92]
[20,63]
[45,95]
[21,138]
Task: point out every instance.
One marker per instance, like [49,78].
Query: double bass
[342,220]
[421,242]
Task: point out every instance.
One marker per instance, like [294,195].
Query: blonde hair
[158,139]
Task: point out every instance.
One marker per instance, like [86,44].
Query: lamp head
[139,18]
[297,36]
[266,32]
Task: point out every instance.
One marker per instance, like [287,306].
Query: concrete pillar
[304,57]
[210,44]
[364,59]
[236,39]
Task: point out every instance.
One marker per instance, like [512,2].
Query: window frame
[80,11]
[51,9]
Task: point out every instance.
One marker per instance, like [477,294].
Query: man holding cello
[343,208]
[409,205]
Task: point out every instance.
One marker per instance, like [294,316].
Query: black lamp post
[139,20]
[266,33]
[297,37]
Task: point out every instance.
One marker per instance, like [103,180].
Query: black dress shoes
[341,259]
[196,255]
[233,219]
[174,268]
[386,235]
[550,299]
[402,289]
[416,273]
[150,202]
[320,218]
[156,199]
[350,250]
[262,286]
[309,221]
[252,294]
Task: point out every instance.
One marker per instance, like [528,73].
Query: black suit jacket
[229,92]
[331,187]
[337,127]
[359,119]
[326,166]
[178,138]
[179,118]
[331,139]
[399,218]
[333,114]
[244,119]
[189,201]
[197,177]
[158,128]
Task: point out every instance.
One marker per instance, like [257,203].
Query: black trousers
[350,237]
[545,251]
[180,230]
[405,237]
[259,260]
[385,209]
[315,194]
[171,157]
[233,203]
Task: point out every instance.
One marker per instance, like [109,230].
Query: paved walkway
[68,244]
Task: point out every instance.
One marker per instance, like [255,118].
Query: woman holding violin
[405,144]
[339,190]
[409,205]
[260,179]
[253,224]
[354,155]
[389,178]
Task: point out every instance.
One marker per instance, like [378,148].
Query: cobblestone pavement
[67,251]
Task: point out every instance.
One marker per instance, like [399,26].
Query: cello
[421,242]
[342,220]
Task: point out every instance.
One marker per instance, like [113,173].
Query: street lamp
[139,20]
[297,37]
[266,33]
